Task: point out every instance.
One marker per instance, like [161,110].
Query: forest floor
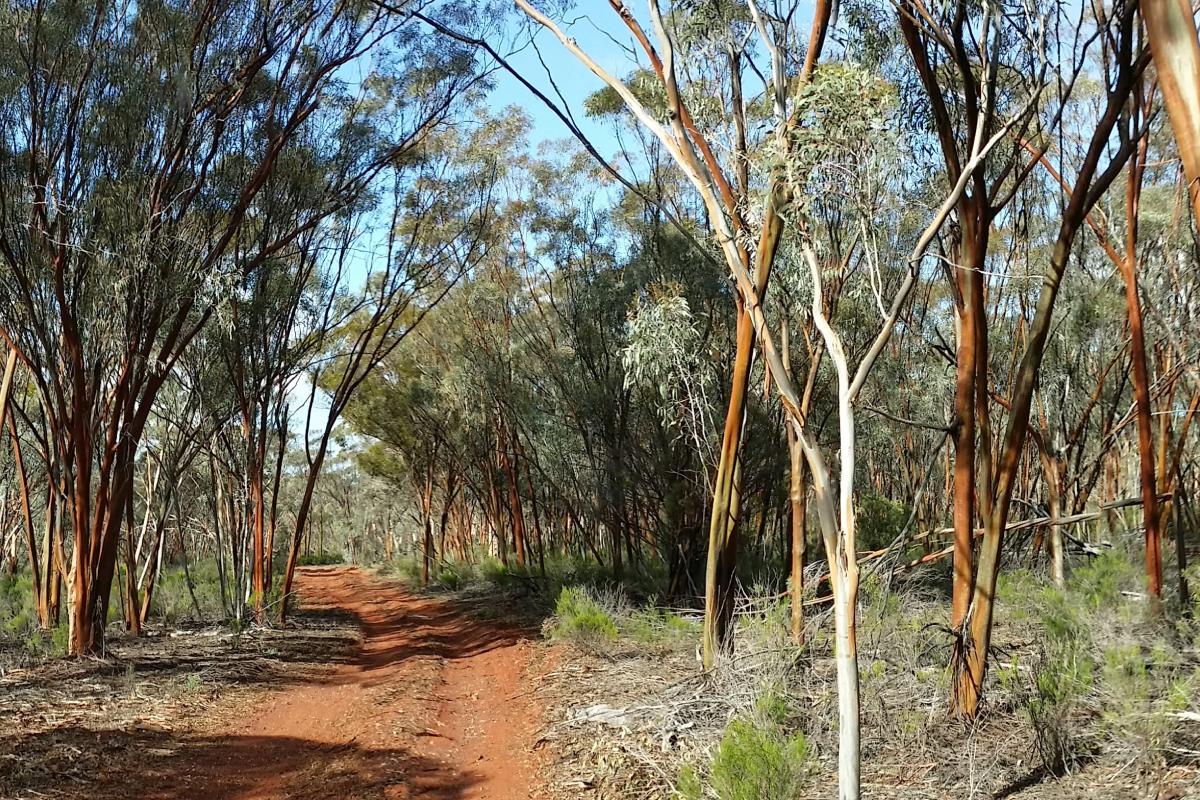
[375,692]
[631,714]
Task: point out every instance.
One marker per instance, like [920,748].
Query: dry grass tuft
[1122,694]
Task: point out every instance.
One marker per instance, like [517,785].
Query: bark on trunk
[302,513]
[1171,29]
[722,530]
[1140,377]
[798,498]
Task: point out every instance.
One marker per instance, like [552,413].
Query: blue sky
[573,80]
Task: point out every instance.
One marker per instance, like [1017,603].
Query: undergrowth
[1087,685]
[21,631]
[537,579]
[322,558]
[192,595]
[582,620]
[757,758]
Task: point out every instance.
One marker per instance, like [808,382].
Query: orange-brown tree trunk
[516,512]
[722,530]
[798,499]
[259,555]
[302,514]
[1171,29]
[964,432]
[427,524]
[133,615]
[27,518]
[1140,377]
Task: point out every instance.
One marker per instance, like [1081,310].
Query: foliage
[753,762]
[580,619]
[188,596]
[755,759]
[1147,692]
[846,112]
[19,617]
[322,558]
[880,521]
[259,294]
[1100,581]
[1062,676]
[664,355]
[652,626]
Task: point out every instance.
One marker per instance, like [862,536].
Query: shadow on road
[112,756]
[155,765]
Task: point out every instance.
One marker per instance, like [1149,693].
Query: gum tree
[675,129]
[137,141]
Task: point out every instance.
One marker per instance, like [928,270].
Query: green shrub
[652,626]
[688,785]
[758,763]
[770,621]
[496,572]
[875,598]
[771,707]
[1125,671]
[322,558]
[1102,579]
[19,625]
[408,570]
[756,759]
[1192,576]
[880,521]
[17,607]
[581,619]
[172,599]
[60,639]
[1062,675]
[1145,690]
[1019,592]
[450,579]
[543,585]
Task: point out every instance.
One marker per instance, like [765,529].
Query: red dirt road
[433,706]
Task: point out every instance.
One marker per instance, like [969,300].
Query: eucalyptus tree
[787,181]
[1080,393]
[20,475]
[538,418]
[266,344]
[1127,254]
[433,229]
[175,439]
[512,346]
[680,323]
[621,329]
[570,324]
[718,37]
[138,139]
[1171,30]
[1104,146]
[216,485]
[401,408]
[965,75]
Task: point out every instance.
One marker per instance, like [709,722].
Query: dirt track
[432,706]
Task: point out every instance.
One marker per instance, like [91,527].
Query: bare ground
[375,693]
[624,717]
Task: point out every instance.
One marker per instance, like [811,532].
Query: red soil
[434,705]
